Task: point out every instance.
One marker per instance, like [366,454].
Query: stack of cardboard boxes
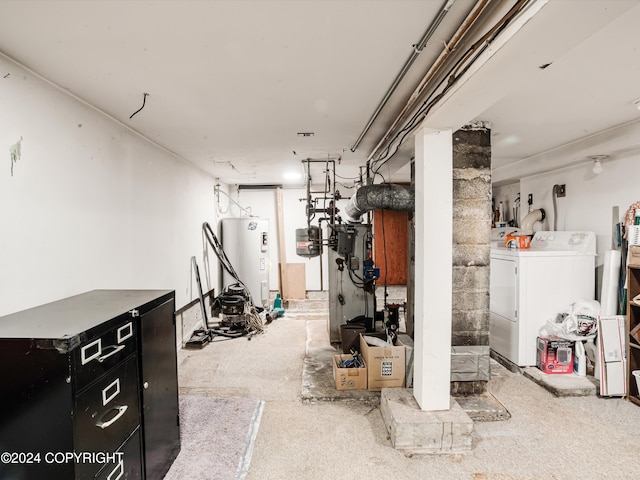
[383,367]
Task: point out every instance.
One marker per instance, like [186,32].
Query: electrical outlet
[530,199]
[561,191]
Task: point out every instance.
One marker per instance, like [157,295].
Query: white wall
[507,194]
[90,204]
[590,198]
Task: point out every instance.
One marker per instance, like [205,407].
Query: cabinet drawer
[128,465]
[107,413]
[101,352]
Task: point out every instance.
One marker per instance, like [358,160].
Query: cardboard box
[612,332]
[554,355]
[349,378]
[612,355]
[634,255]
[614,380]
[385,365]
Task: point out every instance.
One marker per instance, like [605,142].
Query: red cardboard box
[554,355]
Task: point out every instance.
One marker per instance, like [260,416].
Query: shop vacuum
[234,307]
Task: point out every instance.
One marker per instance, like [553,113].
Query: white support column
[433,268]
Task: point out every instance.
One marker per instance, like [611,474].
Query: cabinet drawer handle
[119,471]
[121,409]
[114,349]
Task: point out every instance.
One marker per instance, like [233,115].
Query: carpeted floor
[217,436]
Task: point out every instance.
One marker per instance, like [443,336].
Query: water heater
[246,243]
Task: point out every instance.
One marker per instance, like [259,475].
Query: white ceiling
[232,83]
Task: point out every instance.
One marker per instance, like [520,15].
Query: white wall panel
[90,203]
[590,198]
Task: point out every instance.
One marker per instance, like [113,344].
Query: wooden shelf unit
[633,333]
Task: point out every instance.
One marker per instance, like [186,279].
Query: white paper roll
[610,275]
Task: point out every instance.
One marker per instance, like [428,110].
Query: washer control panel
[579,242]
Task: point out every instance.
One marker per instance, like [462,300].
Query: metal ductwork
[383,196]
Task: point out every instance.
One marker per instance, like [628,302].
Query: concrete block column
[471,259]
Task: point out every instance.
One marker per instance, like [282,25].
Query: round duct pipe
[537,215]
[383,196]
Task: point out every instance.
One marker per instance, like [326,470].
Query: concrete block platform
[417,431]
[568,385]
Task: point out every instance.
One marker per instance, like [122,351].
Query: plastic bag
[578,322]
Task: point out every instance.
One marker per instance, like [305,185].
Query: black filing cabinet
[88,388]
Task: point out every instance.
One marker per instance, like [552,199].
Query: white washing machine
[530,286]
[499,234]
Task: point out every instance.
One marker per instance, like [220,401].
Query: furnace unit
[246,243]
[351,277]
